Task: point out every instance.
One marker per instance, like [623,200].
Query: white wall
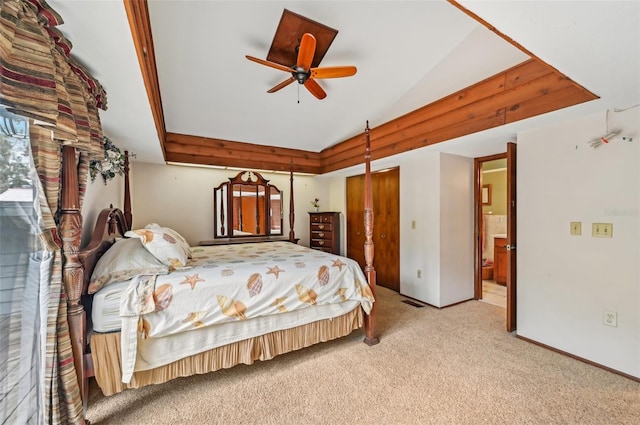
[438,197]
[566,282]
[420,246]
[456,229]
[182,198]
[97,197]
[338,203]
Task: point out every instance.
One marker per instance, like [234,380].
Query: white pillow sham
[124,260]
[167,245]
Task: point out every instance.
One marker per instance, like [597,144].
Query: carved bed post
[127,197]
[72,270]
[292,214]
[222,230]
[371,337]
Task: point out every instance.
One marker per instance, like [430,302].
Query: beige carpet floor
[451,366]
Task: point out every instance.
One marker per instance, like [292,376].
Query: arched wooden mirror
[247,206]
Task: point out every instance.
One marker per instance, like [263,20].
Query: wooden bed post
[371,337]
[72,270]
[127,197]
[292,214]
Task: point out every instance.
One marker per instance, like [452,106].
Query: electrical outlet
[575,228]
[602,230]
[419,274]
[413,224]
[610,318]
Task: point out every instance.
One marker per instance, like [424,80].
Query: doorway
[495,231]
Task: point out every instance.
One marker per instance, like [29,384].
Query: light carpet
[451,366]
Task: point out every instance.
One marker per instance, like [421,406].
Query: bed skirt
[105,351]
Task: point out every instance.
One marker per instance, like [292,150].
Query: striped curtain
[40,80]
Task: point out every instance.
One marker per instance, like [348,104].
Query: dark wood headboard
[110,225]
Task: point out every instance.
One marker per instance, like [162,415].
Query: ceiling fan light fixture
[301,75]
[304,71]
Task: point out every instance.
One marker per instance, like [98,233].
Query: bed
[310,308]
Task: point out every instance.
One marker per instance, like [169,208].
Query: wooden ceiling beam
[382,150]
[219,152]
[140,25]
[523,91]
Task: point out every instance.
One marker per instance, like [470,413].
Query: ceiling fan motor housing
[301,75]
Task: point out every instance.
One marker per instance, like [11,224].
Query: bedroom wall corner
[456,228]
[420,243]
[566,282]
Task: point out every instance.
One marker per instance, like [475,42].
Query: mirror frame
[225,218]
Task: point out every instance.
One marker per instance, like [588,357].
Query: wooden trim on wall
[523,91]
[140,24]
[477,233]
[219,152]
[582,359]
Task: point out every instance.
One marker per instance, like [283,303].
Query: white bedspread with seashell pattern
[238,282]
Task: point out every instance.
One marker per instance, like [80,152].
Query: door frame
[511,232]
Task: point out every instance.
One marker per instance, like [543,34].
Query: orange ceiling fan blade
[333,71]
[283,84]
[270,64]
[306,51]
[315,89]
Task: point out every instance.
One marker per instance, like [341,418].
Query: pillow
[177,235]
[125,259]
[165,244]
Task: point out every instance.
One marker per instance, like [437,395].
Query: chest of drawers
[324,231]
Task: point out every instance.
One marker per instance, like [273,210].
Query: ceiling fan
[302,71]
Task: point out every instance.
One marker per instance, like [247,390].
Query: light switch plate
[602,230]
[575,228]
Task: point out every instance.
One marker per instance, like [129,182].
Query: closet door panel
[386,229]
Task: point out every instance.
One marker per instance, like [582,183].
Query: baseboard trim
[573,356]
[434,306]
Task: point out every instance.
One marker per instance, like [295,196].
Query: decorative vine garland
[112,165]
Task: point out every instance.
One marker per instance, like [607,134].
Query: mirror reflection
[247,205]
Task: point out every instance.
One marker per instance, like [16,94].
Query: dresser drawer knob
[321,227]
[321,234]
[320,242]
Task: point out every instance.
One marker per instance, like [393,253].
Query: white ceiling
[408,54]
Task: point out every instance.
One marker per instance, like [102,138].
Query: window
[20,260]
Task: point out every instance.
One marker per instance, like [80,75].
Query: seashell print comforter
[236,282]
